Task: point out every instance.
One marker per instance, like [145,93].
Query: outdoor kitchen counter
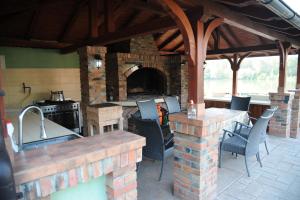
[31,127]
[196,151]
[79,157]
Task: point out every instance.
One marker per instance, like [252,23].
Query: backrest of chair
[150,129]
[147,109]
[240,103]
[268,113]
[255,134]
[172,104]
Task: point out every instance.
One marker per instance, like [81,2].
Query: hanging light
[98,61]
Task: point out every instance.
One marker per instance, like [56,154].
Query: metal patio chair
[157,146]
[240,103]
[172,103]
[245,146]
[244,129]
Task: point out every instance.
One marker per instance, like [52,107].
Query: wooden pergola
[199,29]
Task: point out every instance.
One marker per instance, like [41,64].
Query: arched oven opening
[146,82]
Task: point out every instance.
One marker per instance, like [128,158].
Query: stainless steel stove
[66,113]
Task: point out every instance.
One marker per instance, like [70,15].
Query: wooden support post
[195,36]
[298,71]
[235,63]
[235,67]
[283,53]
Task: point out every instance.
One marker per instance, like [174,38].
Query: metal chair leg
[138,166]
[220,156]
[266,147]
[258,159]
[161,169]
[247,166]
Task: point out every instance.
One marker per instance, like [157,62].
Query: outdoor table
[196,150]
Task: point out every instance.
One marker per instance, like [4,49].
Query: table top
[211,115]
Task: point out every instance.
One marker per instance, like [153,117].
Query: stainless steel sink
[55,140]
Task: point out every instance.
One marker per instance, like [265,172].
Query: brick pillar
[280,124]
[195,157]
[92,80]
[295,116]
[121,184]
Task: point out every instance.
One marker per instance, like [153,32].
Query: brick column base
[295,116]
[280,124]
[121,184]
[195,158]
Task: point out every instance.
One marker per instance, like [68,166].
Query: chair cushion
[234,144]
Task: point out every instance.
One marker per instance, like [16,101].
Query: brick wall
[280,124]
[143,45]
[92,80]
[143,50]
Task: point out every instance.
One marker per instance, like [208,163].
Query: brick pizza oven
[135,70]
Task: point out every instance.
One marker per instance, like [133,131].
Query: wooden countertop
[56,158]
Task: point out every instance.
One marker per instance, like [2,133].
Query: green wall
[16,57]
[92,190]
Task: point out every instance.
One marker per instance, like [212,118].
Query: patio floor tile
[278,179]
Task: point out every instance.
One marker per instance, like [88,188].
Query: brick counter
[196,151]
[43,171]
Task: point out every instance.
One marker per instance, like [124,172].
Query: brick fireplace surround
[98,84]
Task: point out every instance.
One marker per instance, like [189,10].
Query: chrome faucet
[43,134]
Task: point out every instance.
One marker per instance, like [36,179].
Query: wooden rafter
[169,39]
[160,24]
[240,5]
[148,7]
[162,37]
[131,18]
[177,46]
[238,20]
[24,6]
[233,35]
[109,16]
[225,37]
[93,18]
[33,21]
[72,19]
[32,43]
[185,27]
[242,49]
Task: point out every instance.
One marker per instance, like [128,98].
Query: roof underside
[62,24]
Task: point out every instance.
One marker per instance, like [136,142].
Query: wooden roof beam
[108,17]
[177,46]
[148,7]
[70,22]
[225,37]
[32,43]
[33,21]
[233,35]
[93,18]
[238,20]
[169,39]
[243,49]
[160,24]
[162,37]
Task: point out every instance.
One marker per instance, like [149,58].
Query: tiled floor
[279,179]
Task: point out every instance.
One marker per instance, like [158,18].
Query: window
[217,78]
